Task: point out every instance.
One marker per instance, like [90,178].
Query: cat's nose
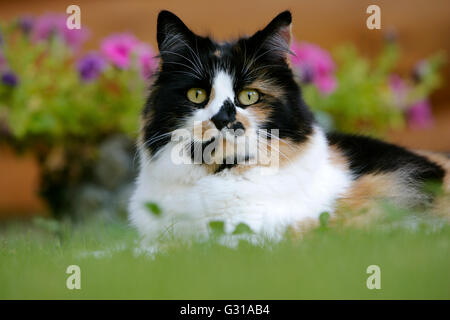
[225,116]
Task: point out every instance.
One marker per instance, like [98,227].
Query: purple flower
[314,65]
[49,25]
[121,48]
[419,115]
[9,79]
[26,24]
[91,66]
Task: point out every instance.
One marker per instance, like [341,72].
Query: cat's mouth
[225,148]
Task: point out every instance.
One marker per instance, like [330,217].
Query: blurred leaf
[323,219]
[153,208]
[217,227]
[242,228]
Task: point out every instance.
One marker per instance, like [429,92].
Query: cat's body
[313,172]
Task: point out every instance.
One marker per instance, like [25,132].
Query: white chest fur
[267,202]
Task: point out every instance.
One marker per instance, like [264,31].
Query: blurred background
[70,99]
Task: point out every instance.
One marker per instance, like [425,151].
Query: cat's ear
[172,32]
[276,36]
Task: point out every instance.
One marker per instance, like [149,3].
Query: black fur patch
[367,155]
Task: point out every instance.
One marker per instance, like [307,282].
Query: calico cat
[231,95]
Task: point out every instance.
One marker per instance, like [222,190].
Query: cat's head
[210,89]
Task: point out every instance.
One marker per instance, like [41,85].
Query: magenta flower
[314,65]
[91,66]
[419,115]
[118,48]
[49,25]
[121,48]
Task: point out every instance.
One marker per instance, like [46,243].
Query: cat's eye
[248,97]
[196,95]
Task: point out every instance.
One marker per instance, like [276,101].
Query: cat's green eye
[196,95]
[248,97]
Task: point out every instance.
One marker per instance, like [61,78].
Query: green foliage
[52,106]
[363,100]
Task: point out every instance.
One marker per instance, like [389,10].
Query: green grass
[328,263]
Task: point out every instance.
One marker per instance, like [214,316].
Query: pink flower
[419,115]
[314,65]
[400,90]
[326,84]
[50,24]
[147,61]
[120,49]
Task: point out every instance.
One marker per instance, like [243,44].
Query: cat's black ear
[171,31]
[276,36]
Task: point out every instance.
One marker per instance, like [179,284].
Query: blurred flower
[421,69]
[118,47]
[26,24]
[91,66]
[9,79]
[391,35]
[314,65]
[419,115]
[400,90]
[147,61]
[49,25]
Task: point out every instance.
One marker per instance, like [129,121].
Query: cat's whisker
[270,135]
[185,65]
[266,145]
[196,66]
[188,73]
[195,55]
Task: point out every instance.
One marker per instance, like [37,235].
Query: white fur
[190,197]
[223,90]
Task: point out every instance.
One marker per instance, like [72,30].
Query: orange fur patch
[337,158]
[361,205]
[259,112]
[243,119]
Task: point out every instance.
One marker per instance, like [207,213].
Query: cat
[233,94]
